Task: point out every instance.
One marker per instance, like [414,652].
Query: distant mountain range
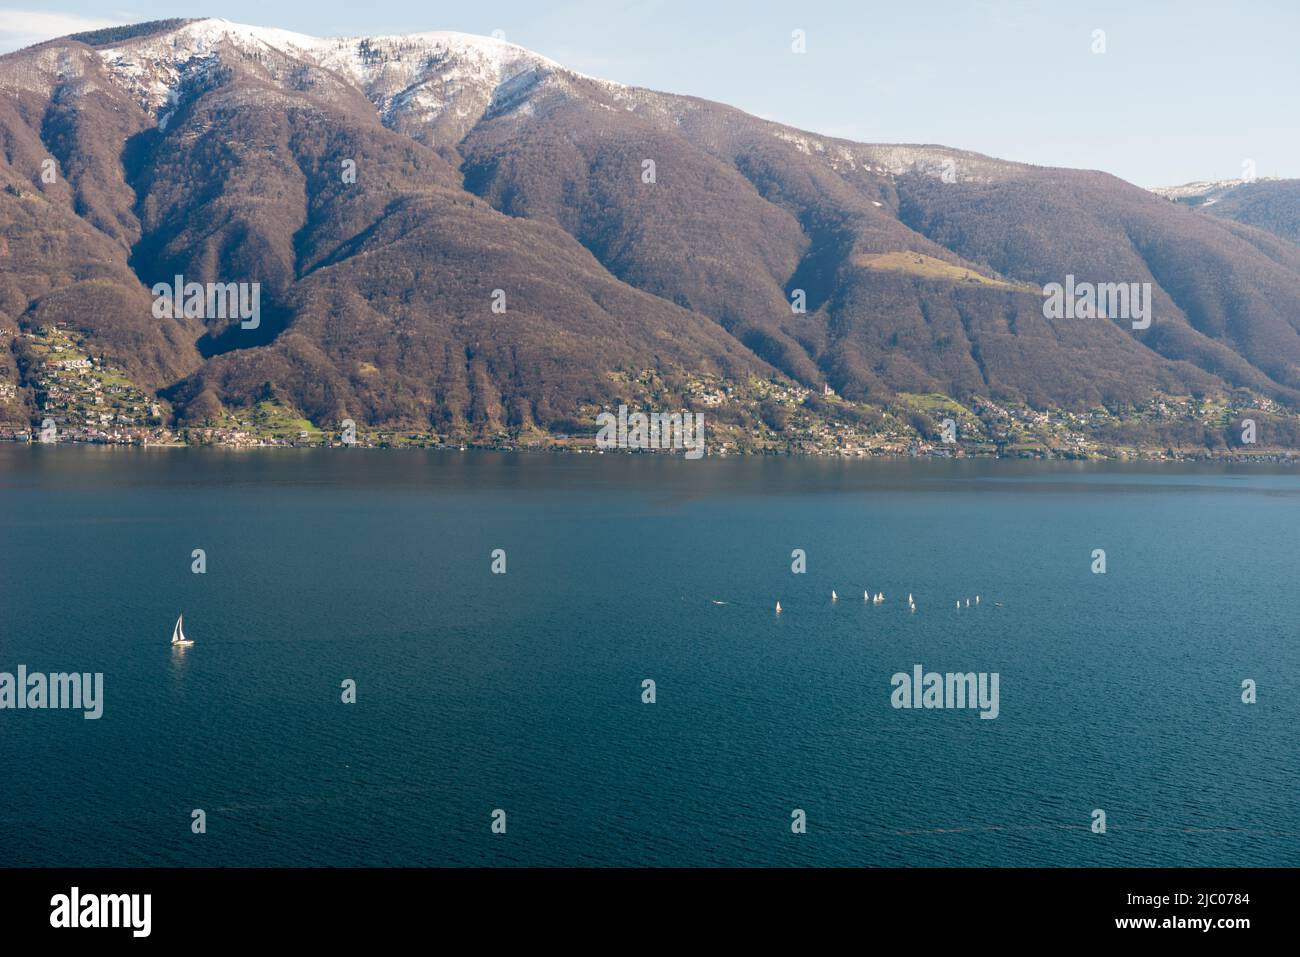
[1271,204]
[452,234]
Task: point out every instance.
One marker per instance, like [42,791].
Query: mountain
[1269,204]
[390,195]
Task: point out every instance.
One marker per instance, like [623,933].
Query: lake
[523,692]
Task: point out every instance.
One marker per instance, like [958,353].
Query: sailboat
[178,636]
[778,608]
[834,597]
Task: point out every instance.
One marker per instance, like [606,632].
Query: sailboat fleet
[178,635]
[879,597]
[180,641]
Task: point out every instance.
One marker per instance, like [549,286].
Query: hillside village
[81,397]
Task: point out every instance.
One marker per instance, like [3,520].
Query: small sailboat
[977,599]
[959,604]
[178,635]
[778,608]
[834,597]
[967,602]
[866,597]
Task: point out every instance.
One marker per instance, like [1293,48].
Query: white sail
[178,633]
[778,608]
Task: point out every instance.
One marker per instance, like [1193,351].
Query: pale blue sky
[1184,91]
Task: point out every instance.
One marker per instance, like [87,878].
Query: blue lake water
[523,691]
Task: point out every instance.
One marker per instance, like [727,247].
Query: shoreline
[1275,456]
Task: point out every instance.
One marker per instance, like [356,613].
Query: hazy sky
[1185,90]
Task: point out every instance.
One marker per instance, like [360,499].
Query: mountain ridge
[212,150]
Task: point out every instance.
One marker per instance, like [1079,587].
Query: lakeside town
[80,397]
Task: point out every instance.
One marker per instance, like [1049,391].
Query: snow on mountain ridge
[410,79]
[445,82]
[1210,190]
[382,66]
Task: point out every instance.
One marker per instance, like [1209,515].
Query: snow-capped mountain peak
[1203,192]
[417,77]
